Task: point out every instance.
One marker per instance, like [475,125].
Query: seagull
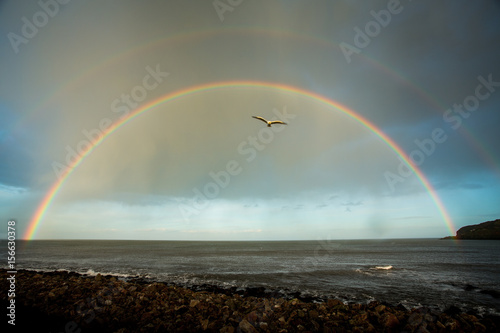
[270,122]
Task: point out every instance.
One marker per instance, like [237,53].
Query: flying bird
[269,122]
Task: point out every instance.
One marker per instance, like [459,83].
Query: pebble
[105,304]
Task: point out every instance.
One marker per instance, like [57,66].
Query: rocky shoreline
[71,302]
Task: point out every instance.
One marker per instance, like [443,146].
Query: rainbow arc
[44,205]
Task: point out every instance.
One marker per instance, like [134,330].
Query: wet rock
[103,305]
[389,320]
[480,327]
[452,325]
[246,327]
[253,317]
[422,329]
[204,324]
[415,320]
[181,309]
[227,329]
[401,307]
[333,302]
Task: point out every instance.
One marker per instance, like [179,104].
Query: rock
[422,329]
[452,325]
[246,327]
[313,314]
[204,324]
[147,317]
[370,328]
[106,306]
[333,302]
[480,327]
[231,304]
[252,317]
[389,320]
[181,309]
[315,325]
[469,318]
[401,307]
[227,329]
[415,320]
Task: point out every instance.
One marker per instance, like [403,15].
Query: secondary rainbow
[52,192]
[483,150]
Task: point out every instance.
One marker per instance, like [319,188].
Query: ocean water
[411,272]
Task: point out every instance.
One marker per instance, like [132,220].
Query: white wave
[388,267]
[38,270]
[91,272]
[364,271]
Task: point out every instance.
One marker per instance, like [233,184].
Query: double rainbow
[37,218]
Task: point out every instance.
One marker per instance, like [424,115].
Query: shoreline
[64,301]
[288,294]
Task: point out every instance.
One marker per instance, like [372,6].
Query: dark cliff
[485,230]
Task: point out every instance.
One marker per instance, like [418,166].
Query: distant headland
[485,230]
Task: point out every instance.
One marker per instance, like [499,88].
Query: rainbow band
[483,149]
[45,203]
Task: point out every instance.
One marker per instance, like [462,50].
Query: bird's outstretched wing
[277,122]
[260,118]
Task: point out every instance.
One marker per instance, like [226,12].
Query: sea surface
[411,272]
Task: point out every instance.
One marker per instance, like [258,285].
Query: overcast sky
[425,73]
